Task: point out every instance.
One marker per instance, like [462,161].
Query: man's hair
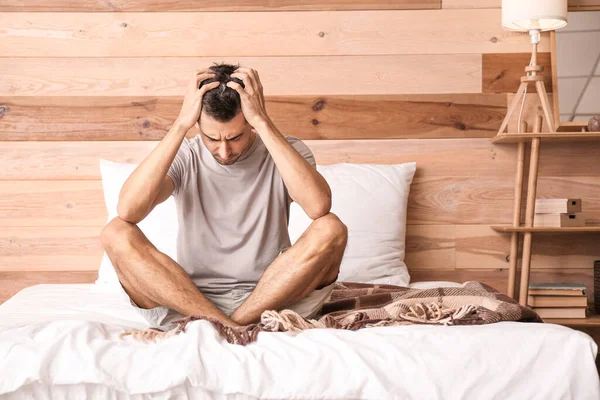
[222,103]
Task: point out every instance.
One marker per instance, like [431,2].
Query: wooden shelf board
[593,320]
[579,229]
[571,126]
[565,136]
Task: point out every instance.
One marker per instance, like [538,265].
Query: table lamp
[533,16]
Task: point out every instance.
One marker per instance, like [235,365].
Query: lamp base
[531,76]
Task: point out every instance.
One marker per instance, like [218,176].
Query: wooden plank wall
[360,81]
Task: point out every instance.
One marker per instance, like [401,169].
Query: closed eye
[235,139]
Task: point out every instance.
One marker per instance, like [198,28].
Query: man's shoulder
[296,142]
[302,148]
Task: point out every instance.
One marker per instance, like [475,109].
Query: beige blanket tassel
[434,313]
[287,320]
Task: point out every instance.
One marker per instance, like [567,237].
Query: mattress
[61,341]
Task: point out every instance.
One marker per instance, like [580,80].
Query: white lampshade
[544,15]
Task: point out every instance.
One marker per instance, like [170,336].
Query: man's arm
[305,184]
[142,190]
[148,185]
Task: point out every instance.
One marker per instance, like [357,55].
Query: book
[557,206]
[556,301]
[561,312]
[558,220]
[556,285]
[556,292]
[557,289]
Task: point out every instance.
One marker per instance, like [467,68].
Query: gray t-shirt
[232,218]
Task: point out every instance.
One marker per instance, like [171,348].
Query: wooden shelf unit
[570,126]
[558,136]
[592,321]
[522,229]
[527,230]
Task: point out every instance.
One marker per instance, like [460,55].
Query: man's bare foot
[224,320]
[231,323]
[236,318]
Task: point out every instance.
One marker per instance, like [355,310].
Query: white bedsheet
[61,341]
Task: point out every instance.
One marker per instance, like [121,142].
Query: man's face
[226,141]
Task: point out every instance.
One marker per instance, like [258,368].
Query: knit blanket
[355,306]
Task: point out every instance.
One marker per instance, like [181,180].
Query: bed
[61,341]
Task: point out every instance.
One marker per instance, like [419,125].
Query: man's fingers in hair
[237,87]
[251,73]
[203,77]
[209,86]
[247,79]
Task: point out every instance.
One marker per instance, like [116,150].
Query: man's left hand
[253,101]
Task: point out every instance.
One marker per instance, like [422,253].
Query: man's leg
[313,261]
[152,278]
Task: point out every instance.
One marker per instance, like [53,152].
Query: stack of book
[558,300]
[557,213]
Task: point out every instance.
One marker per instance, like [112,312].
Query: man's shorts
[162,317]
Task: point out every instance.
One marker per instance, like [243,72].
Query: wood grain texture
[52,203]
[444,191]
[215,5]
[71,248]
[314,33]
[435,158]
[554,74]
[478,246]
[306,117]
[438,201]
[432,201]
[435,247]
[574,159]
[574,5]
[584,5]
[470,4]
[14,281]
[430,247]
[168,76]
[502,72]
[80,160]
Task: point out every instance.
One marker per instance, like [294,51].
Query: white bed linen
[61,342]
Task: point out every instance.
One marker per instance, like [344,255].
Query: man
[233,185]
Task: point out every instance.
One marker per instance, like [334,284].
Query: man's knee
[333,229]
[116,235]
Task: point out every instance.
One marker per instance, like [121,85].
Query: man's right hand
[192,103]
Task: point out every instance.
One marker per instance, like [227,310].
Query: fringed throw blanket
[354,306]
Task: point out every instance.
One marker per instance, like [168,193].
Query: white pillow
[371,199]
[434,284]
[160,226]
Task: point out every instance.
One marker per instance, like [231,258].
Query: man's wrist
[180,128]
[262,125]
